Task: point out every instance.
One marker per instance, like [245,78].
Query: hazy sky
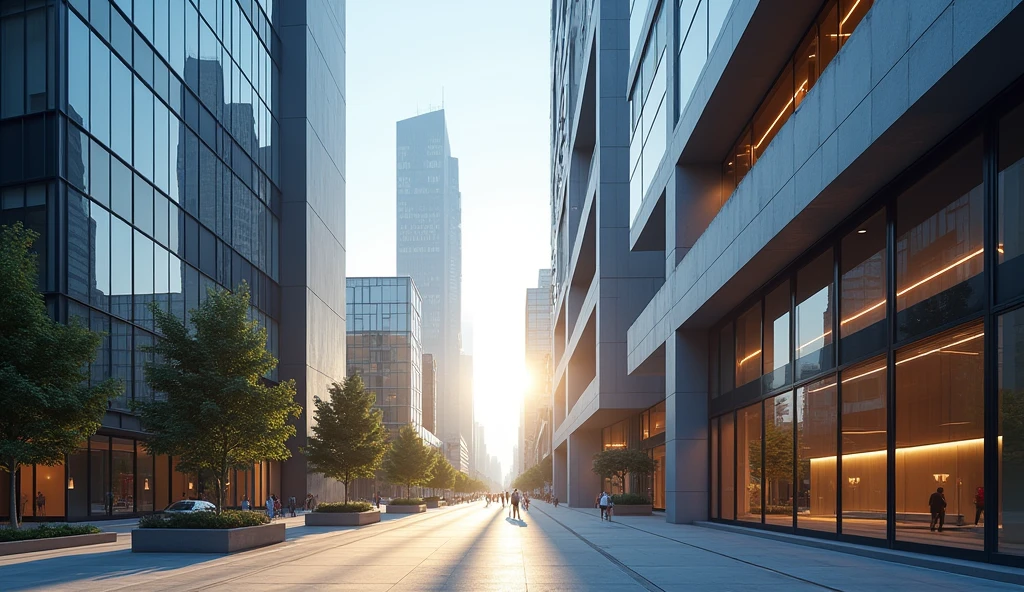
[491,59]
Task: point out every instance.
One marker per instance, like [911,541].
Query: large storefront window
[863,477]
[776,338]
[657,493]
[862,296]
[939,225]
[728,467]
[749,462]
[814,287]
[716,456]
[1011,437]
[1010,280]
[940,411]
[816,455]
[49,494]
[778,459]
[748,346]
[100,495]
[123,487]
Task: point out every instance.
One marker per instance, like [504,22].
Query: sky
[491,61]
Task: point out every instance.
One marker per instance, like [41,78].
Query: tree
[618,462]
[442,474]
[47,407]
[219,413]
[349,439]
[409,461]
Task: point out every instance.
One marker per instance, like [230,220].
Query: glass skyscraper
[143,142]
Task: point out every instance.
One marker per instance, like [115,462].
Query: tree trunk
[14,493]
[346,489]
[222,484]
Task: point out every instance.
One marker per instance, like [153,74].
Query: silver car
[188,506]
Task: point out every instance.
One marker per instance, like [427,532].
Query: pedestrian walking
[291,505]
[270,506]
[245,503]
[602,502]
[937,505]
[40,504]
[979,504]
[515,499]
[277,505]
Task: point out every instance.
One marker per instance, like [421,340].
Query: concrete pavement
[472,547]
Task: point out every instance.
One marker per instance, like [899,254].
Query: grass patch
[224,520]
[342,508]
[406,501]
[629,499]
[46,531]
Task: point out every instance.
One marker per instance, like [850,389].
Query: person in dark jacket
[937,505]
[979,504]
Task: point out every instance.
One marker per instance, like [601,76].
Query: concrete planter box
[205,540]
[342,518]
[431,505]
[632,510]
[392,509]
[64,542]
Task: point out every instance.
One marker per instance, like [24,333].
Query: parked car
[187,506]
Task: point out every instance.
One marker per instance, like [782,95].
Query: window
[748,463]
[748,346]
[99,92]
[122,496]
[1010,278]
[727,355]
[121,105]
[778,460]
[143,129]
[100,296]
[862,300]
[814,317]
[99,476]
[728,467]
[12,66]
[939,226]
[816,409]
[78,71]
[120,268]
[863,477]
[1011,436]
[776,338]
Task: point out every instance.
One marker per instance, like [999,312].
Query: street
[472,547]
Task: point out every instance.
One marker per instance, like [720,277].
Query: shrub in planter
[406,501]
[432,498]
[224,520]
[629,499]
[46,531]
[343,508]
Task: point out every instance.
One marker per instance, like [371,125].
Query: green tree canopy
[536,477]
[219,413]
[47,407]
[348,440]
[442,475]
[410,461]
[618,462]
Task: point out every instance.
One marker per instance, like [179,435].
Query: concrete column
[560,472]
[686,430]
[583,484]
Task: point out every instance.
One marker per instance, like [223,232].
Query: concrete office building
[429,250]
[535,415]
[835,193]
[383,321]
[598,285]
[148,144]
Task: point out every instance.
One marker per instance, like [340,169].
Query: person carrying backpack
[603,503]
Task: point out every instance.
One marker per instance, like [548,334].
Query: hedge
[406,501]
[46,531]
[629,499]
[341,508]
[226,519]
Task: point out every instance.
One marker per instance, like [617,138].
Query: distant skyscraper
[535,417]
[429,249]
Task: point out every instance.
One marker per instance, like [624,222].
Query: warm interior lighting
[910,449]
[853,480]
[781,113]
[862,231]
[904,291]
[819,337]
[962,353]
[145,485]
[953,423]
[940,348]
[848,15]
[999,248]
[71,483]
[863,432]
[748,358]
[190,485]
[940,477]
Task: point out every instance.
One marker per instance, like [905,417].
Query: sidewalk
[678,557]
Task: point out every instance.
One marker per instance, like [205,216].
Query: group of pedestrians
[937,507]
[513,501]
[605,503]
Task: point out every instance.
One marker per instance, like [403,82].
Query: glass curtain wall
[814,447]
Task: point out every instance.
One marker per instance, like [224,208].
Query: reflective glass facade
[140,138]
[912,409]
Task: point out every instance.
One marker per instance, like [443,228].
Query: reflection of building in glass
[429,393]
[163,179]
[429,249]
